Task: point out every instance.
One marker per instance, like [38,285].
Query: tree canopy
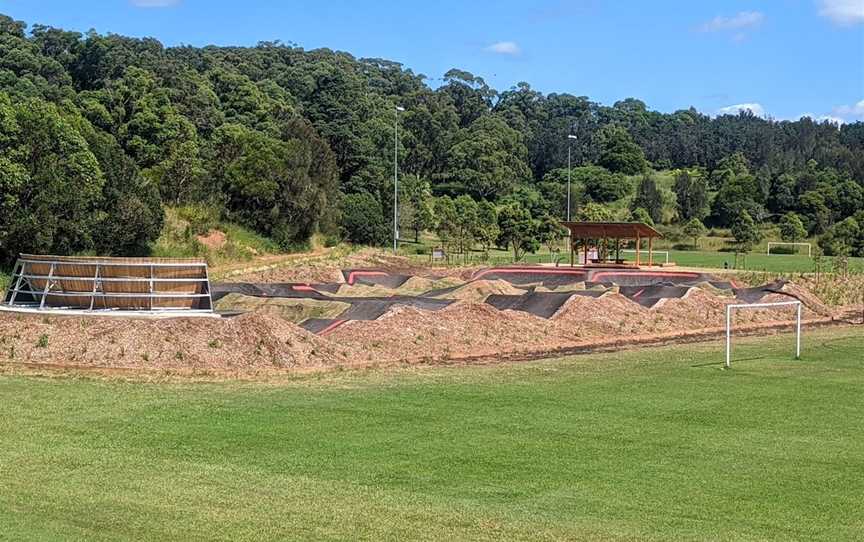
[99,131]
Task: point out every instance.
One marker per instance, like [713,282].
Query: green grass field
[775,263]
[657,444]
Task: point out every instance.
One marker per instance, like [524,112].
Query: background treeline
[98,133]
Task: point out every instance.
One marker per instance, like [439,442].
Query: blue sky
[784,58]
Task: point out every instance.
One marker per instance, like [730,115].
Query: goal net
[794,245]
[730,309]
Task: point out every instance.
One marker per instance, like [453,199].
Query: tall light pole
[569,145]
[396,179]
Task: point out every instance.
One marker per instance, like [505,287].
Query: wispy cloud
[822,118]
[504,48]
[154,3]
[754,108]
[842,12]
[850,113]
[741,21]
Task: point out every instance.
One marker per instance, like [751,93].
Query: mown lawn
[658,444]
[775,263]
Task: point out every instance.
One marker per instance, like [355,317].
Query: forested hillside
[99,132]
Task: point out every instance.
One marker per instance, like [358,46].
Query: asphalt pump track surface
[646,287]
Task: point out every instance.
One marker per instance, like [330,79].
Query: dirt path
[267,262]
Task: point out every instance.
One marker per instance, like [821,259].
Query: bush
[201,218]
[363,220]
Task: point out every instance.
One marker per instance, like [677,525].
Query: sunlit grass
[656,444]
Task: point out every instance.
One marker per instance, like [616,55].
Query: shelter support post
[650,251]
[638,247]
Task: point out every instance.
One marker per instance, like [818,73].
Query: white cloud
[842,12]
[850,112]
[504,48]
[822,118]
[154,3]
[754,108]
[740,21]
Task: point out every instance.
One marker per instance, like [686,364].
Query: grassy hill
[196,231]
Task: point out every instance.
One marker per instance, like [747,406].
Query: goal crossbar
[632,251]
[778,243]
[730,308]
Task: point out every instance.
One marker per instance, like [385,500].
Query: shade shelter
[584,233]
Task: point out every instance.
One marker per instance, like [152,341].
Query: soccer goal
[731,308]
[778,243]
[656,252]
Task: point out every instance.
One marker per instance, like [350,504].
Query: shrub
[201,218]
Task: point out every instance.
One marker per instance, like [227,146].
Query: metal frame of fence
[121,285]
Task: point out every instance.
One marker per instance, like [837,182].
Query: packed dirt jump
[393,312]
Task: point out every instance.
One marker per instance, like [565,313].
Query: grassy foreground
[656,444]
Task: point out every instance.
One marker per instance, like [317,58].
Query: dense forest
[100,132]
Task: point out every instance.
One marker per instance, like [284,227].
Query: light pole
[396,179]
[569,145]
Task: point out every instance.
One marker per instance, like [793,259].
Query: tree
[363,220]
[445,219]
[519,230]
[618,152]
[814,211]
[649,198]
[694,229]
[600,185]
[791,228]
[746,232]
[550,232]
[465,223]
[691,193]
[283,187]
[594,212]
[487,224]
[641,215]
[846,238]
[735,196]
[487,161]
[415,205]
[51,187]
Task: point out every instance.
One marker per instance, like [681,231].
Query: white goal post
[730,308]
[778,243]
[632,251]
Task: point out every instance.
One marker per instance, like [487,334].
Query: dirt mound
[701,309]
[214,240]
[609,314]
[463,329]
[250,343]
[479,290]
[292,309]
[808,298]
[615,315]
